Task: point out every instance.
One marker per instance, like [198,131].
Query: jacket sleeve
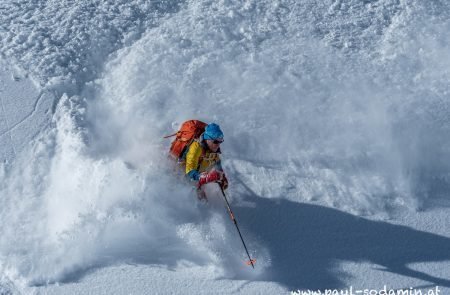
[192,160]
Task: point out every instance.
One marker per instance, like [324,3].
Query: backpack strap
[172,135]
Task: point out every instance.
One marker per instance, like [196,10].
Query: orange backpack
[189,131]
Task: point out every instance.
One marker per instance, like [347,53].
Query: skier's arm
[192,158]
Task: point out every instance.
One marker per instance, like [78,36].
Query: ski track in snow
[28,110]
[27,116]
[341,104]
[8,128]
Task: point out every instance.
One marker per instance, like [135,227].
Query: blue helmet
[212,131]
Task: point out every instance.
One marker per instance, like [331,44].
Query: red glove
[211,176]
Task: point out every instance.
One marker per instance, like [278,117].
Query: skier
[202,159]
[196,148]
[197,151]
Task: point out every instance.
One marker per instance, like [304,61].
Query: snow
[24,111]
[336,125]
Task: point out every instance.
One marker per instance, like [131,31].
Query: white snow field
[336,117]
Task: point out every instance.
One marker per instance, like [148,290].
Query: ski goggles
[217,141]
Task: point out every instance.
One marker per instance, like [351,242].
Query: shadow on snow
[306,242]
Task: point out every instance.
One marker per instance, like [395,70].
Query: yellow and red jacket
[199,158]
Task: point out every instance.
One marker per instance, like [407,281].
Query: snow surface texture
[24,111]
[344,104]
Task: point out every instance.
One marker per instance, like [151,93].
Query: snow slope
[25,110]
[335,117]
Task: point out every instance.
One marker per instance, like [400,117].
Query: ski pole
[251,261]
